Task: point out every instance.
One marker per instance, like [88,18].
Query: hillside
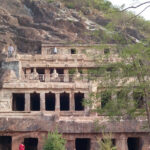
[27,23]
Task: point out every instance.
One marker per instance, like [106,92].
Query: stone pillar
[146,143]
[27,101]
[94,144]
[47,74]
[72,102]
[66,75]
[70,145]
[16,142]
[40,143]
[57,98]
[87,109]
[42,101]
[121,143]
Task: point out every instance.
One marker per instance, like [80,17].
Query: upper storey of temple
[59,53]
[53,62]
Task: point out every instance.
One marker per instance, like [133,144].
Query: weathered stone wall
[72,124]
[13,65]
[120,139]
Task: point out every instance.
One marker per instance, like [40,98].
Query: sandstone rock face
[28,23]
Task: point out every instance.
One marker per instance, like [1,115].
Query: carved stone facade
[40,92]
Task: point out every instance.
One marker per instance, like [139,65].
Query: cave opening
[18,103]
[31,143]
[5,142]
[133,143]
[64,101]
[35,101]
[50,101]
[79,97]
[82,144]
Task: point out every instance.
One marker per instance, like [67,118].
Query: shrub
[54,141]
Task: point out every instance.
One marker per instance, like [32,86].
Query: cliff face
[27,23]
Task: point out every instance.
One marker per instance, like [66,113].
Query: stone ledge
[48,123]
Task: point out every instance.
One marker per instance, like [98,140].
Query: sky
[145,14]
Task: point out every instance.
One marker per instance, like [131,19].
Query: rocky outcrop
[28,23]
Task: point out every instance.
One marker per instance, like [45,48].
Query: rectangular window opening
[73,51]
[64,102]
[18,103]
[134,143]
[5,143]
[31,143]
[79,97]
[50,101]
[35,101]
[82,144]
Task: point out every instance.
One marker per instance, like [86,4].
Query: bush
[106,143]
[54,141]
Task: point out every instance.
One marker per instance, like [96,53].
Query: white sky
[145,14]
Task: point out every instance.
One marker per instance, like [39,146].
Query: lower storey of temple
[35,141]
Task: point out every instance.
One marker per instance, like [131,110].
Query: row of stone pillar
[57,98]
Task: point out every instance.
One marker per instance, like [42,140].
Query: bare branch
[134,7]
[139,13]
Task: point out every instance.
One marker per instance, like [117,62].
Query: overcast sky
[145,14]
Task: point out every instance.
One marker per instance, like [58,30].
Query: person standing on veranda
[21,146]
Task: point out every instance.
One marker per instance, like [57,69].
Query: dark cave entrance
[31,143]
[35,101]
[5,142]
[18,103]
[79,101]
[82,144]
[64,102]
[134,144]
[50,101]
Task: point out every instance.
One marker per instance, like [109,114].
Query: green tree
[106,143]
[128,75]
[54,141]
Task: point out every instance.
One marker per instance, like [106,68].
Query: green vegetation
[54,141]
[120,23]
[129,80]
[72,71]
[107,143]
[97,4]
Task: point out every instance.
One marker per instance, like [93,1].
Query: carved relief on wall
[5,106]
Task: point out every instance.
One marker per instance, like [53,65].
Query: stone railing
[57,78]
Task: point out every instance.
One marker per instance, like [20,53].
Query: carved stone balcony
[56,78]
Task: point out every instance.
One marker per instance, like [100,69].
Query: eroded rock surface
[28,23]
